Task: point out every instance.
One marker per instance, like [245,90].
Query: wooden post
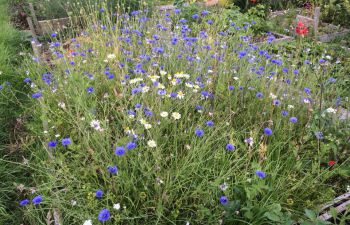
[36,50]
[316,20]
[35,19]
[31,27]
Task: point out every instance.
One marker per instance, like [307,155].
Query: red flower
[301,29]
[331,163]
[253,1]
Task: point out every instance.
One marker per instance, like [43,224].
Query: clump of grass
[179,122]
[11,124]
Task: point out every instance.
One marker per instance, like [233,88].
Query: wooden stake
[36,50]
[35,19]
[31,27]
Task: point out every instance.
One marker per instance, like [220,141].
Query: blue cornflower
[24,202]
[230,147]
[127,39]
[159,50]
[52,144]
[338,101]
[267,131]
[161,92]
[99,193]
[37,95]
[270,39]
[26,80]
[37,200]
[120,150]
[195,16]
[319,135]
[205,12]
[205,93]
[276,102]
[174,41]
[131,145]
[259,95]
[173,95]
[104,215]
[277,62]
[210,123]
[322,61]
[135,91]
[231,88]
[262,52]
[66,141]
[199,107]
[284,113]
[131,113]
[307,91]
[210,22]
[223,200]
[134,13]
[90,90]
[183,20]
[47,78]
[285,70]
[54,35]
[293,119]
[199,132]
[260,174]
[148,112]
[241,54]
[332,80]
[138,106]
[156,37]
[102,10]
[112,169]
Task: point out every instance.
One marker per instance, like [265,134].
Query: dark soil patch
[19,15]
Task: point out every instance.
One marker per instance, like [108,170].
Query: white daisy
[148,126]
[95,124]
[88,222]
[330,110]
[176,115]
[152,143]
[111,56]
[116,206]
[164,114]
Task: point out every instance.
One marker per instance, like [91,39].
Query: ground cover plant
[151,118]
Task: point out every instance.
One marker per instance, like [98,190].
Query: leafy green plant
[53,9]
[335,11]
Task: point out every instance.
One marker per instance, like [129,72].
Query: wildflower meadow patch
[163,118]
